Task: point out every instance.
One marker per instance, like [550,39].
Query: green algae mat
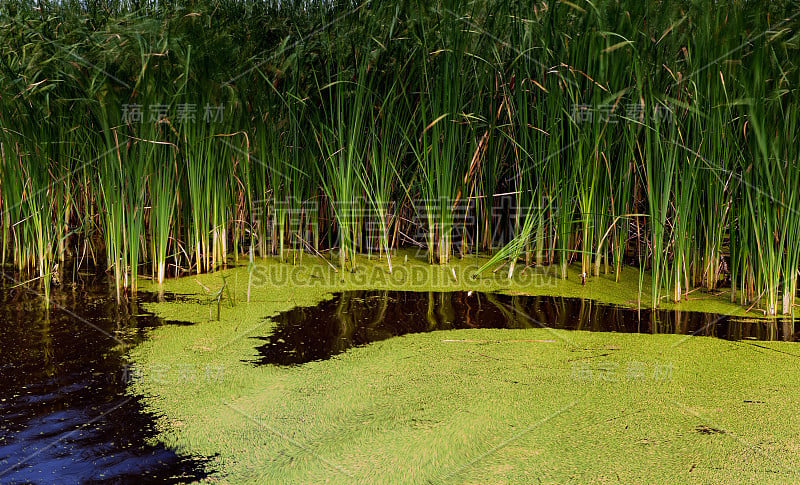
[463,406]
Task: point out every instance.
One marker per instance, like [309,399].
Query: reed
[445,135]
[339,116]
[380,174]
[344,144]
[163,201]
[110,193]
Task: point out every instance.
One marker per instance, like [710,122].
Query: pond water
[355,318]
[64,413]
[65,416]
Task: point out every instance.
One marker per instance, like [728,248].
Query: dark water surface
[355,318]
[64,414]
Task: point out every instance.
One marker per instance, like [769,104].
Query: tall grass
[444,136]
[163,200]
[338,117]
[344,143]
[379,175]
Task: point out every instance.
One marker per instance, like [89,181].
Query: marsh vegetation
[156,138]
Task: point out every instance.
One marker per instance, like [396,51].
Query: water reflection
[64,413]
[356,318]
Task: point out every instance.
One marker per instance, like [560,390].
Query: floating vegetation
[662,134]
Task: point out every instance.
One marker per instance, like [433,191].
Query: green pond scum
[463,406]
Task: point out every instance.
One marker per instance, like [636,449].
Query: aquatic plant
[661,134]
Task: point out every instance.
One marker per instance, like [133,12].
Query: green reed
[380,174]
[163,192]
[343,142]
[439,107]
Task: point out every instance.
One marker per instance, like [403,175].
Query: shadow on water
[354,318]
[64,413]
